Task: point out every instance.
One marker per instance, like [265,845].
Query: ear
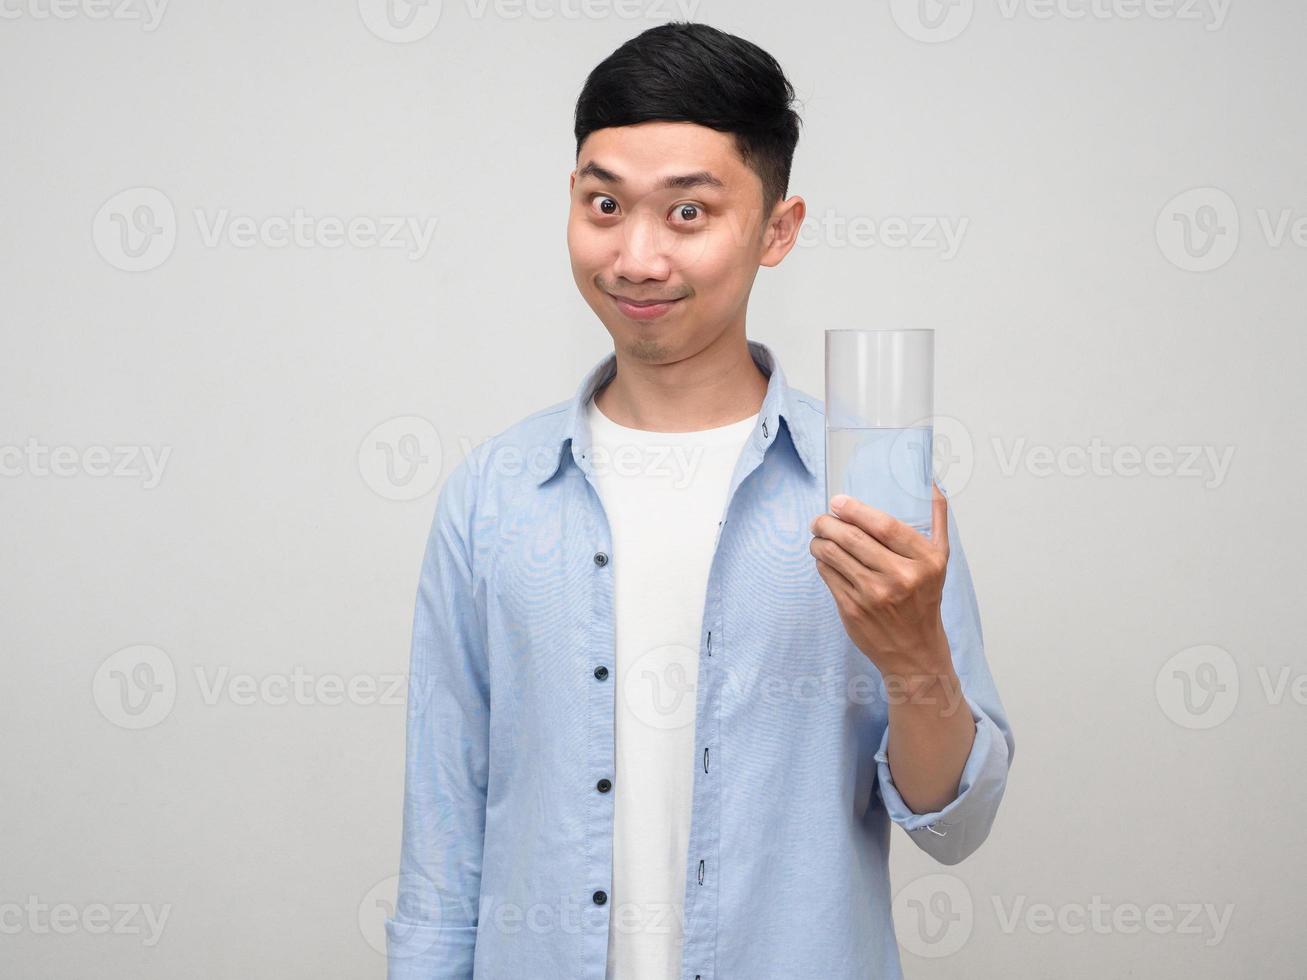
[782,229]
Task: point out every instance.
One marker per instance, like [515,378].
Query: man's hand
[888,581]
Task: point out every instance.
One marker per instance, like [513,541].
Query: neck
[718,385]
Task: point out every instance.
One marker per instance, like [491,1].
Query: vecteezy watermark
[1209,464]
[659,688]
[953,453]
[136,230]
[36,459]
[409,233]
[573,915]
[1284,683]
[413,917]
[406,21]
[1203,920]
[935,21]
[148,12]
[94,918]
[400,458]
[768,685]
[934,917]
[1199,686]
[954,458]
[400,21]
[653,10]
[1199,230]
[931,233]
[298,686]
[413,914]
[137,687]
[677,465]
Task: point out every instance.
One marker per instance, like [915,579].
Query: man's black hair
[685,72]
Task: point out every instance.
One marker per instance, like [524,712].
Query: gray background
[1144,626]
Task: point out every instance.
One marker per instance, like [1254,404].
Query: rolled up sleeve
[432,934]
[954,832]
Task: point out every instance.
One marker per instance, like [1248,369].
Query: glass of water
[880,387]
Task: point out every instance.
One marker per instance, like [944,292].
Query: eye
[607,206]
[687,212]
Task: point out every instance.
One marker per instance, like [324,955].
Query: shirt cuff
[958,829]
[422,951]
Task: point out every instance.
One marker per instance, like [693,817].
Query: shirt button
[601,672]
[600,897]
[601,559]
[603,786]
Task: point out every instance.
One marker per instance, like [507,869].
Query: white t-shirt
[663,494]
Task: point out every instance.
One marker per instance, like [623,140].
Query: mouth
[642,309]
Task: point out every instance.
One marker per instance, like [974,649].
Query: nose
[644,250]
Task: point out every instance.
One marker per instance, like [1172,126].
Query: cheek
[575,237]
[715,266]
[587,245]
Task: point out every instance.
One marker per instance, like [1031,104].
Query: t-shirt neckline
[721,433]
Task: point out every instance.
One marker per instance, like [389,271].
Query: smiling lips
[643,309]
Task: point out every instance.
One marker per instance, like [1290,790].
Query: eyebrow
[700,178]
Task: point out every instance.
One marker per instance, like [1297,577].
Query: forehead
[645,155]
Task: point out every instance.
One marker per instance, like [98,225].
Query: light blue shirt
[506,859]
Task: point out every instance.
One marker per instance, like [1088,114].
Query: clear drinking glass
[880,387]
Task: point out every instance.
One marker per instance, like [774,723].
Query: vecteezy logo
[954,453]
[934,915]
[400,21]
[1198,229]
[932,21]
[1198,687]
[400,458]
[135,687]
[659,686]
[414,916]
[941,442]
[911,463]
[136,229]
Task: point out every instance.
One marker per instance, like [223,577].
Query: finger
[856,542]
[840,587]
[853,571]
[885,528]
[939,519]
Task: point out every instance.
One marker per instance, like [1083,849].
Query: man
[664,705]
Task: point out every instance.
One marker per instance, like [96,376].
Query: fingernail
[838,501]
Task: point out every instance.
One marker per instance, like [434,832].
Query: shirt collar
[778,403]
